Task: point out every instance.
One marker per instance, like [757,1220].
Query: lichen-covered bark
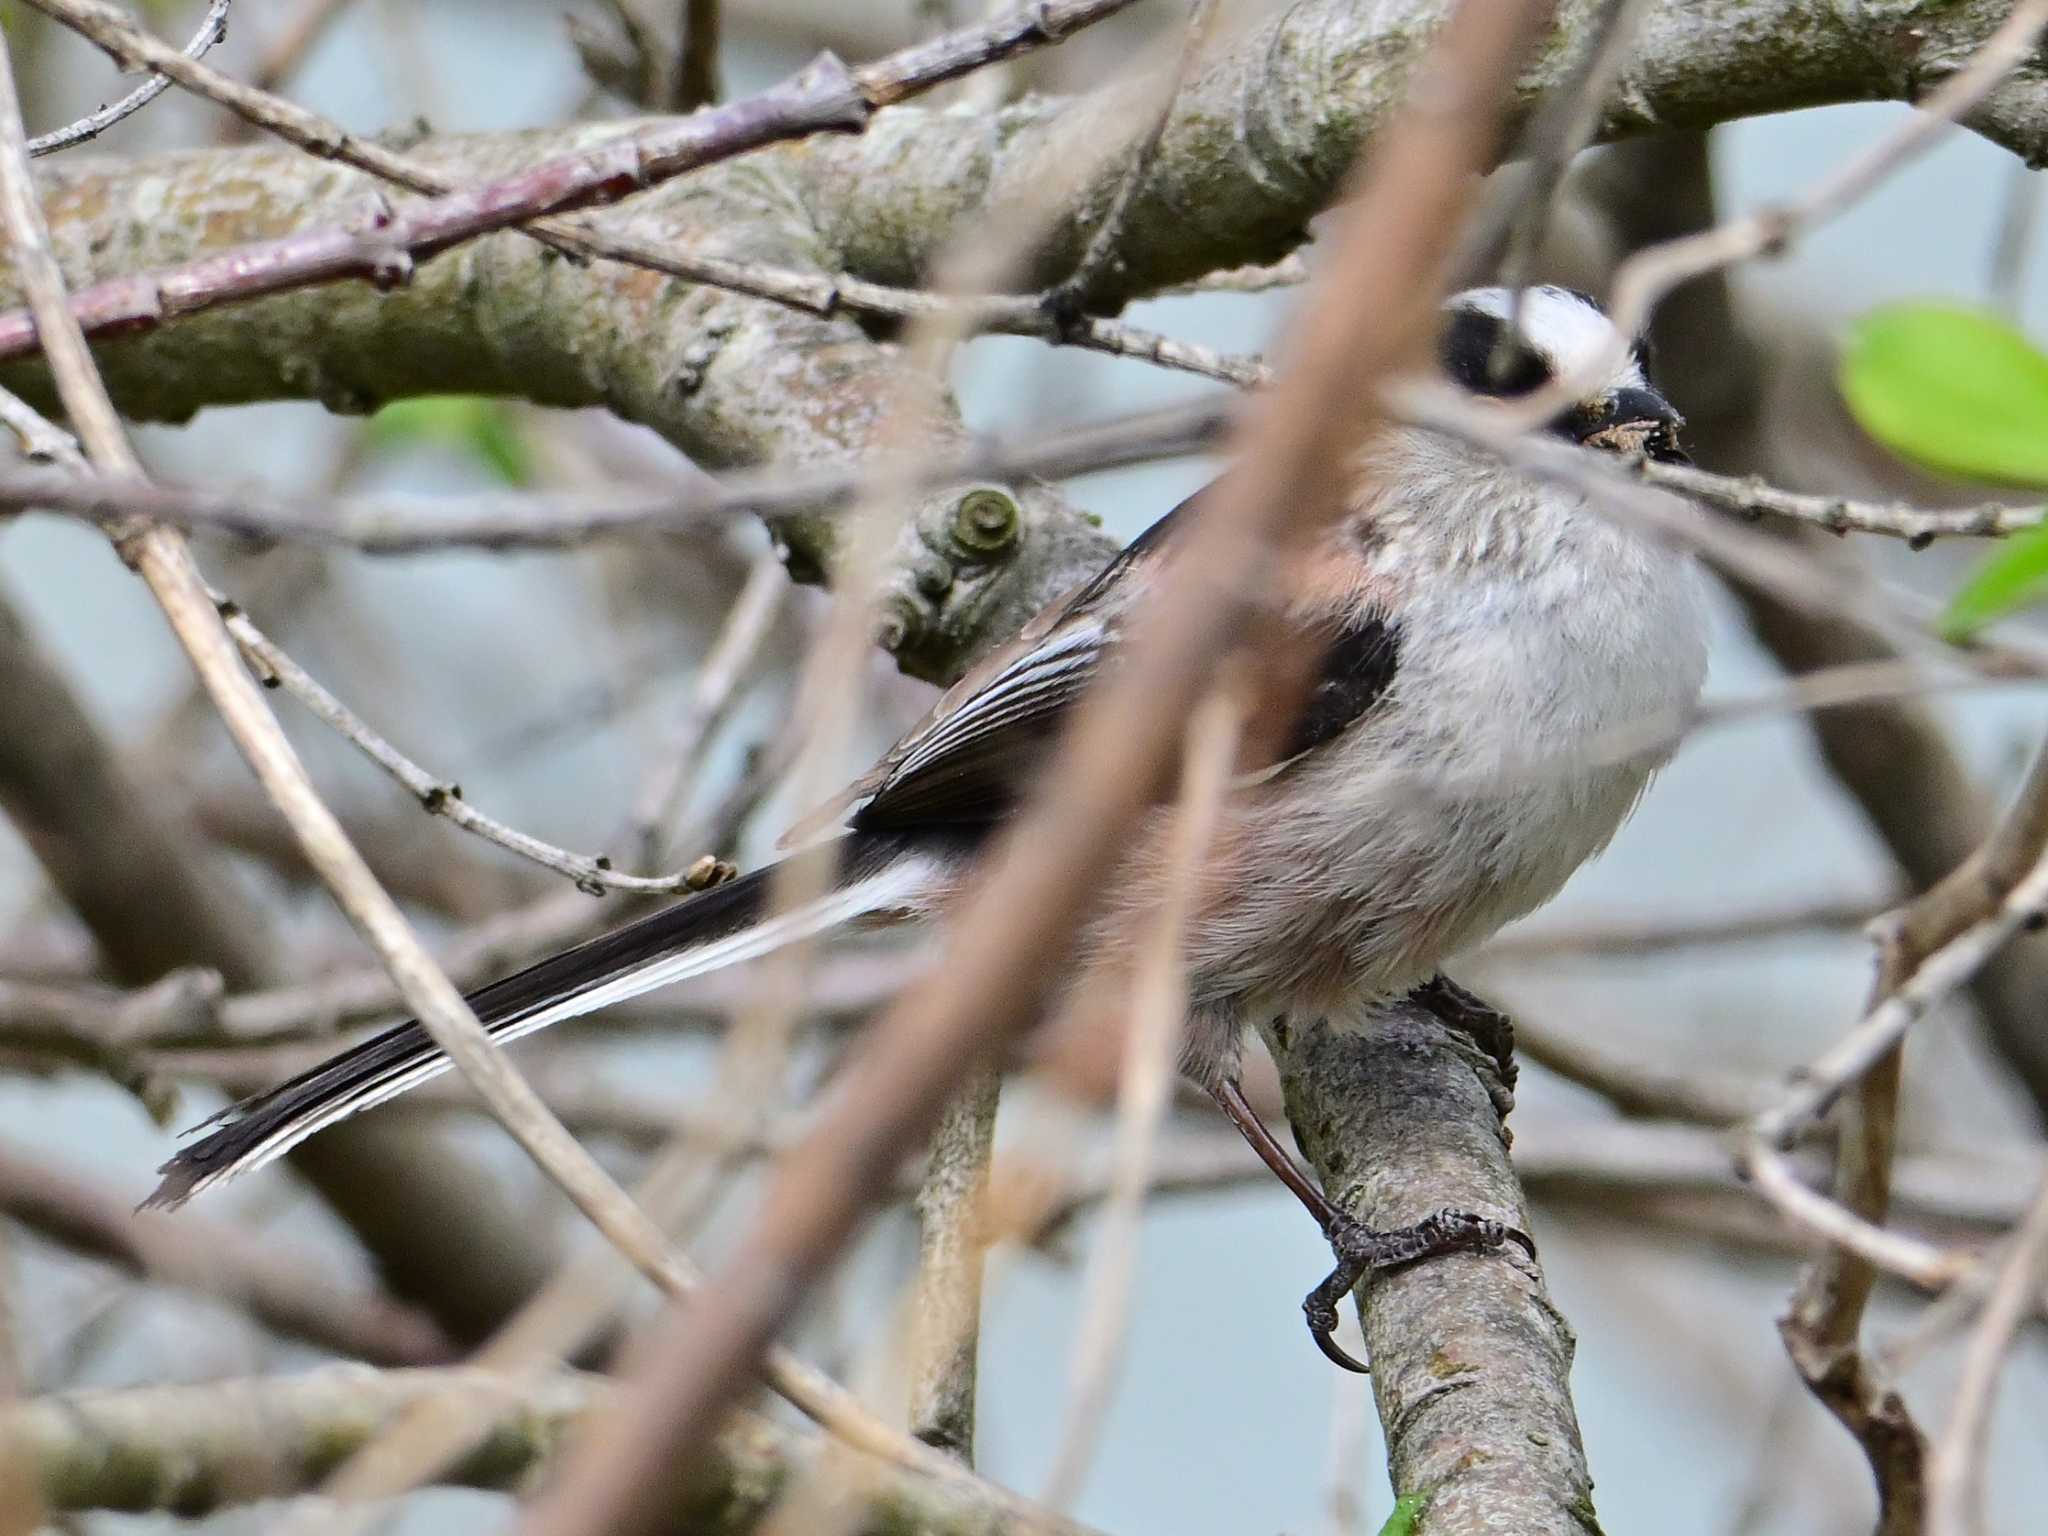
[1257,143]
[1470,1361]
[730,380]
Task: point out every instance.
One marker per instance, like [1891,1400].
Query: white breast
[1536,641]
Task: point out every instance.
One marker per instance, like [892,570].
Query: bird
[1477,635]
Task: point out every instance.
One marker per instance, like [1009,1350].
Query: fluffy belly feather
[1374,908]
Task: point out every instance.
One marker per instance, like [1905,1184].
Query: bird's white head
[1560,332]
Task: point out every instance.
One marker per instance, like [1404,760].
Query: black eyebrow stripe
[1466,351]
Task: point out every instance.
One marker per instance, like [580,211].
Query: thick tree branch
[125,868]
[729,380]
[1257,142]
[192,1450]
[1470,1360]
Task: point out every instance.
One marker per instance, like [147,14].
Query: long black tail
[877,872]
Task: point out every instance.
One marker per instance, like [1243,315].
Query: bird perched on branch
[1480,639]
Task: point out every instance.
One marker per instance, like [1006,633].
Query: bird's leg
[1229,1097]
[1358,1248]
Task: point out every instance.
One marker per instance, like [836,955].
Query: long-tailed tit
[1478,634]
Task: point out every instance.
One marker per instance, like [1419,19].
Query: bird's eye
[1479,357]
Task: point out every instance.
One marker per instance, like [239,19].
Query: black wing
[971,758]
[1354,672]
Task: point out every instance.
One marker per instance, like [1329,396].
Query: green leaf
[473,424]
[2012,578]
[1952,388]
[1407,1512]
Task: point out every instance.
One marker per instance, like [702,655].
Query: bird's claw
[1360,1249]
[1320,1308]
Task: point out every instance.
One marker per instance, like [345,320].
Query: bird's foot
[1469,1013]
[1360,1249]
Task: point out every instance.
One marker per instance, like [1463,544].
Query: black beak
[1629,418]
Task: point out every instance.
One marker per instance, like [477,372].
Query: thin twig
[1600,1161]
[1624,936]
[649,48]
[1503,244]
[421,872]
[713,692]
[1944,936]
[1636,1088]
[592,873]
[399,526]
[1823,1324]
[182,1012]
[1290,271]
[1565,124]
[1158,1008]
[1751,496]
[41,441]
[392,527]
[696,71]
[1955,1466]
[212,28]
[105,1033]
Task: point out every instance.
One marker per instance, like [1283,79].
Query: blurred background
[547,685]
